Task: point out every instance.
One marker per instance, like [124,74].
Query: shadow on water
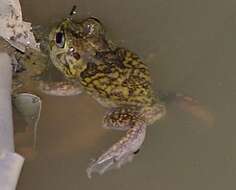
[190,47]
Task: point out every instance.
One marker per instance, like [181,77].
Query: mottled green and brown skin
[115,77]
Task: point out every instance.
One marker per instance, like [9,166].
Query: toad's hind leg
[124,150]
[121,118]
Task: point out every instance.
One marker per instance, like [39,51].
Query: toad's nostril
[76,55]
[73,53]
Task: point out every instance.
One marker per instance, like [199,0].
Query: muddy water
[190,46]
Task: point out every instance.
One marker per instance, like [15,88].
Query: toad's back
[118,77]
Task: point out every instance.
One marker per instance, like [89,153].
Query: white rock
[13,28]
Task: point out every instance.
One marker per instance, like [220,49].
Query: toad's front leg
[61,88]
[124,150]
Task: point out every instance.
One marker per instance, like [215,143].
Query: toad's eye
[60,39]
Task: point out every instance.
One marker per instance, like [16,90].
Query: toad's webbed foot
[124,150]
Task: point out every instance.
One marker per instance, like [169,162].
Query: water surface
[190,47]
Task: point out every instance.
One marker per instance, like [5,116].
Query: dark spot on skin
[120,64]
[91,66]
[83,75]
[107,70]
[130,62]
[99,55]
[76,55]
[137,151]
[90,71]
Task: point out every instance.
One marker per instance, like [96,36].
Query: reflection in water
[190,105]
[195,44]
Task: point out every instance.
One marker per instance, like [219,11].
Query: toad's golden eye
[60,39]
